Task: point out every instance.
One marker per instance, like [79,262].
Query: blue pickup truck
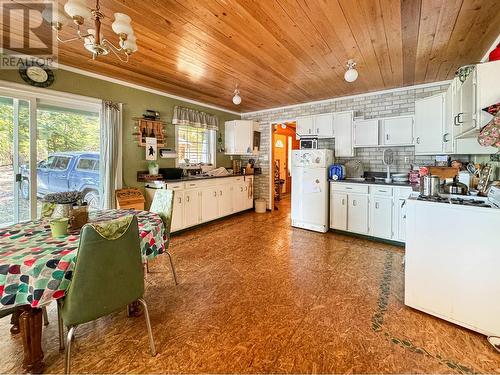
[66,171]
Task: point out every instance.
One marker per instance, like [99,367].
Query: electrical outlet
[495,157]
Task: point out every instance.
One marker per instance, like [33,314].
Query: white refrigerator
[310,189]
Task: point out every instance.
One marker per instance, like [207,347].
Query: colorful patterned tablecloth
[36,268]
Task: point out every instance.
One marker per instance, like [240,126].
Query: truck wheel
[25,189]
[92,199]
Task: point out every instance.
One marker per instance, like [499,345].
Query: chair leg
[67,357]
[148,325]
[172,267]
[60,325]
[45,316]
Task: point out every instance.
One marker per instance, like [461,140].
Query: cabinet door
[448,131]
[357,213]
[342,127]
[338,211]
[249,193]
[366,133]
[305,126]
[178,211]
[429,124]
[192,215]
[238,195]
[398,131]
[466,116]
[225,200]
[401,219]
[229,145]
[243,137]
[381,216]
[209,204]
[323,125]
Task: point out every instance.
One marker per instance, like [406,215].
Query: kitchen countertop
[192,178]
[415,187]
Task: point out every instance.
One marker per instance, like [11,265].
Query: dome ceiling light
[351,74]
[237,97]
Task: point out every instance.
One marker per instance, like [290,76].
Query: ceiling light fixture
[237,97]
[351,74]
[93,39]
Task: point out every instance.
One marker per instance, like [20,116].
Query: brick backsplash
[401,102]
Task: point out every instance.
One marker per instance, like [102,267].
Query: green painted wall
[135,103]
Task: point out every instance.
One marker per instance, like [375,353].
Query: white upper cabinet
[397,131]
[305,126]
[366,133]
[429,124]
[343,129]
[323,125]
[239,137]
[448,126]
[320,126]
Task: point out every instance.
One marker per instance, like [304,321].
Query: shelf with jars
[145,128]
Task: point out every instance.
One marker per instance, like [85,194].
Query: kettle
[456,187]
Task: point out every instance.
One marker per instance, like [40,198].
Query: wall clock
[36,75]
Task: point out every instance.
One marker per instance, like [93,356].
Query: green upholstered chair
[108,276]
[163,205]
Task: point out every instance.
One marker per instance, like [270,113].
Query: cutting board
[443,172]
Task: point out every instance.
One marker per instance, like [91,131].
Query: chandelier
[93,39]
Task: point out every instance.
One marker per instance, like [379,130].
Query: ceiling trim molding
[413,87]
[143,88]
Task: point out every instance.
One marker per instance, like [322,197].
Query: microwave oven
[308,143]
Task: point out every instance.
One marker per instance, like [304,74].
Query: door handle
[444,137]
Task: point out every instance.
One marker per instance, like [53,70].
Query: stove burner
[455,200]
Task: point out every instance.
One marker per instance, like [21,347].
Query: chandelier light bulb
[351,74]
[77,10]
[237,97]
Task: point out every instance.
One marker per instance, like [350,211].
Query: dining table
[36,269]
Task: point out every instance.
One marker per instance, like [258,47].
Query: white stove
[491,201]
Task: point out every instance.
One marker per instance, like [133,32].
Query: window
[61,163]
[195,145]
[86,164]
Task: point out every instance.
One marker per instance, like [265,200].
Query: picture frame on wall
[151,148]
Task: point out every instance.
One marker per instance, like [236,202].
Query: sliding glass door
[15,119]
[48,144]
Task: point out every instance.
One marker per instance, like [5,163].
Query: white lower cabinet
[375,210]
[381,216]
[357,213]
[200,201]
[178,211]
[338,211]
[192,214]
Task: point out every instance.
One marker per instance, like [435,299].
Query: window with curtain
[195,144]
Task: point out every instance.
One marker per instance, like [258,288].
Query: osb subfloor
[257,296]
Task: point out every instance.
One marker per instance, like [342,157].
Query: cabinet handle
[459,120]
[246,188]
[354,202]
[348,188]
[387,136]
[241,188]
[444,137]
[343,202]
[187,198]
[382,191]
[220,191]
[455,121]
[180,200]
[215,193]
[376,205]
[418,140]
[402,204]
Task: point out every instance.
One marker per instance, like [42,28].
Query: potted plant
[63,202]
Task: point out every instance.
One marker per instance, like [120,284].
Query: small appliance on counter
[171,173]
[429,185]
[336,172]
[308,143]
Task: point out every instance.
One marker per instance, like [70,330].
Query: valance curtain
[194,118]
[111,152]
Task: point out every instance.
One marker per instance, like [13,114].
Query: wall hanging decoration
[151,148]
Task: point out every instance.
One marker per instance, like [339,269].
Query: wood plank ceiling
[283,52]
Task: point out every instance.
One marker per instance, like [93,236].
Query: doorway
[284,140]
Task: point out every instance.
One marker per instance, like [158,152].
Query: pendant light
[351,74]
[237,97]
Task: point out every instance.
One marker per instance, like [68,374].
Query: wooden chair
[108,276]
[163,205]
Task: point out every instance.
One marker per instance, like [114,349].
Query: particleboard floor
[257,296]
